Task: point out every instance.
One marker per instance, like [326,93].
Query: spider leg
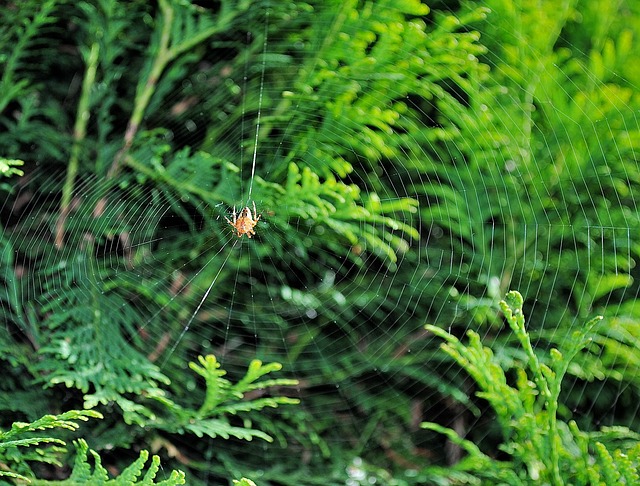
[234,220]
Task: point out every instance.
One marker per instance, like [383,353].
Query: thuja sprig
[224,398]
[511,307]
[86,473]
[527,411]
[8,167]
[16,444]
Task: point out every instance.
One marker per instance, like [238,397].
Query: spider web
[527,183]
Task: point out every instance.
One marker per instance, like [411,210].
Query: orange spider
[244,223]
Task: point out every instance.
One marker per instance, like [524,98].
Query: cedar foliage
[543,448]
[136,123]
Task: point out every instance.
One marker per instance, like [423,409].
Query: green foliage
[32,17]
[16,451]
[334,204]
[16,444]
[19,88]
[8,167]
[223,399]
[411,164]
[543,448]
[83,351]
[84,473]
[546,181]
[533,186]
[244,482]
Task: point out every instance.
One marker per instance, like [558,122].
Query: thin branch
[79,133]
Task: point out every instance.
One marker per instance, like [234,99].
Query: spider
[243,223]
